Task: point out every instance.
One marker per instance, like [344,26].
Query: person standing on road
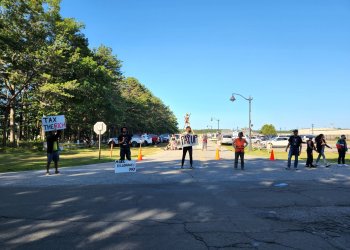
[187,148]
[321,144]
[309,150]
[53,150]
[124,140]
[295,145]
[205,142]
[239,145]
[342,149]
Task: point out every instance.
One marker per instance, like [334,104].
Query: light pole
[218,120]
[250,99]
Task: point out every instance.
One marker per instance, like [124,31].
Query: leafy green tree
[269,130]
[24,33]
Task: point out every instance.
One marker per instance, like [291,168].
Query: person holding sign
[124,142]
[53,150]
[188,134]
[239,145]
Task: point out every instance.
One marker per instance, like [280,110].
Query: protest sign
[51,123]
[188,140]
[125,167]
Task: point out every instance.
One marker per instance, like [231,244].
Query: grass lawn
[20,160]
[280,154]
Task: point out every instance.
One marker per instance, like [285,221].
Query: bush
[31,145]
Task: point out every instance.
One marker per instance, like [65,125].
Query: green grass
[21,160]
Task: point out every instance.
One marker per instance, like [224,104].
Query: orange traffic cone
[139,157]
[217,155]
[272,156]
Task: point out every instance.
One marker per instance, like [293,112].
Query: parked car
[113,140]
[280,141]
[164,138]
[306,137]
[155,138]
[136,140]
[227,139]
[255,139]
[146,140]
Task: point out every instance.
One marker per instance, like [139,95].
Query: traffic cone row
[139,157]
[217,155]
[272,156]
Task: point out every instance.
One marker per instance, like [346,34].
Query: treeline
[47,68]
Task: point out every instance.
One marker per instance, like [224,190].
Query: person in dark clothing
[186,149]
[321,144]
[310,156]
[52,150]
[124,140]
[295,145]
[239,145]
[342,149]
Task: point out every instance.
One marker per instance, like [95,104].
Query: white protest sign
[125,167]
[51,123]
[188,140]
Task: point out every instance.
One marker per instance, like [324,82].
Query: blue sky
[291,56]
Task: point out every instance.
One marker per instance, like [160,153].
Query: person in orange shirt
[239,144]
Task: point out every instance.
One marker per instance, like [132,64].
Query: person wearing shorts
[53,150]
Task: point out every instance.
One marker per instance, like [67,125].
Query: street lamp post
[218,120]
[250,99]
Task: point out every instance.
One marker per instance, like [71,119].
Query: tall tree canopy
[269,130]
[47,68]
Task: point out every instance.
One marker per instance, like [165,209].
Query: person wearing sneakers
[187,148]
[124,140]
[239,145]
[309,150]
[295,145]
[53,150]
[342,149]
[321,144]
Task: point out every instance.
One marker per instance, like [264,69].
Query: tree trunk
[4,126]
[12,125]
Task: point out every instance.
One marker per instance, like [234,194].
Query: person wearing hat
[342,149]
[295,147]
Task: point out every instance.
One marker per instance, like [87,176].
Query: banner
[188,140]
[125,167]
[51,123]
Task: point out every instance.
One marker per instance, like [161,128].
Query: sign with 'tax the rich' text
[51,123]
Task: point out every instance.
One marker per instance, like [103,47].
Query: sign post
[100,128]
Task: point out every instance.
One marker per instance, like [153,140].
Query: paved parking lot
[164,207]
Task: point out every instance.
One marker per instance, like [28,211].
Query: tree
[47,68]
[24,29]
[269,130]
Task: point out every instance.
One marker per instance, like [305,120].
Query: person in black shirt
[53,150]
[295,144]
[124,141]
[321,144]
[310,157]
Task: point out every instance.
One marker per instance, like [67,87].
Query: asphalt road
[164,207]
